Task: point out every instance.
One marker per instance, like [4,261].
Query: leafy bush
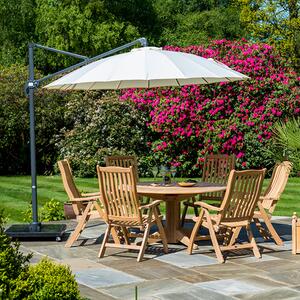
[227,117]
[12,261]
[285,143]
[51,211]
[14,122]
[103,125]
[47,280]
[18,280]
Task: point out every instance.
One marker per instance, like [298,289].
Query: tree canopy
[90,27]
[276,22]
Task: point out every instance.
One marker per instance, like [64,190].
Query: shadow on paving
[177,275]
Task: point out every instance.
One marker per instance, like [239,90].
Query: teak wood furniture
[235,212]
[123,209]
[295,234]
[124,161]
[268,200]
[173,195]
[216,169]
[85,206]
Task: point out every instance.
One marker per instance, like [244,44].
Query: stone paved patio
[177,275]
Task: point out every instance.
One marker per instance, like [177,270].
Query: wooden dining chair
[268,200]
[123,210]
[216,169]
[85,205]
[124,161]
[235,212]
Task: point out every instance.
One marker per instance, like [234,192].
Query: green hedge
[14,122]
[103,125]
[43,281]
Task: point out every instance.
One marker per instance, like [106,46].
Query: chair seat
[258,215]
[216,223]
[93,214]
[133,223]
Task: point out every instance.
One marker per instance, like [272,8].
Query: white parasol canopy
[146,67]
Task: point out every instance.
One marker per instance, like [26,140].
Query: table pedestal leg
[173,232]
[172,220]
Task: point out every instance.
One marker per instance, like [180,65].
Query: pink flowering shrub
[221,118]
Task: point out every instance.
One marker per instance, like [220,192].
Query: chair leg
[80,226]
[125,234]
[235,235]
[196,211]
[144,243]
[161,230]
[145,200]
[195,232]
[105,239]
[227,234]
[273,232]
[253,243]
[184,212]
[269,225]
[262,231]
[214,239]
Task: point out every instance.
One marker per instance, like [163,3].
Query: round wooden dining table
[173,194]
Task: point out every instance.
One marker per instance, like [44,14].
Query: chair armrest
[207,206]
[150,205]
[82,199]
[90,194]
[263,198]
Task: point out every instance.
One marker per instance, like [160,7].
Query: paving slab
[77,264]
[191,277]
[291,277]
[228,270]
[272,294]
[252,259]
[177,275]
[287,245]
[93,294]
[194,294]
[275,266]
[182,259]
[104,277]
[230,286]
[148,289]
[150,269]
[59,252]
[286,255]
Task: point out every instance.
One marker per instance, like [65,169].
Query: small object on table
[186,184]
[295,234]
[165,172]
[173,172]
[191,180]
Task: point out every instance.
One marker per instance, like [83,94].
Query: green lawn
[15,194]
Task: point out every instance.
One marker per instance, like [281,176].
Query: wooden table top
[175,189]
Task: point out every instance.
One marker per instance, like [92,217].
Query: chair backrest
[119,196]
[277,185]
[216,169]
[124,161]
[69,184]
[241,196]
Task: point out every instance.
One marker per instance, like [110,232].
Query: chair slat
[84,206]
[236,211]
[124,161]
[216,169]
[123,209]
[241,197]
